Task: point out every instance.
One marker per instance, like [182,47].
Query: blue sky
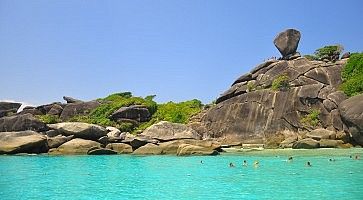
[178,50]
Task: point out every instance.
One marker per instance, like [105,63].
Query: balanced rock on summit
[287,41]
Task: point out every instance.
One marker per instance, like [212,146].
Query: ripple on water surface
[171,177]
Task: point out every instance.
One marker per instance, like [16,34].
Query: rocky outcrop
[21,123]
[120,148]
[78,108]
[319,134]
[22,142]
[76,146]
[71,100]
[149,149]
[252,110]
[80,130]
[101,151]
[351,111]
[165,131]
[137,113]
[287,41]
[8,108]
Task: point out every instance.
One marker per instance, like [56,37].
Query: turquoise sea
[170,177]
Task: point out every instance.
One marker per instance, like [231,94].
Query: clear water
[171,177]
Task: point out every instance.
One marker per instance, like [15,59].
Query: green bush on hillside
[48,119]
[312,118]
[330,52]
[280,83]
[352,75]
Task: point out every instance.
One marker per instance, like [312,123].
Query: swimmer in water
[256,164]
[201,162]
[231,165]
[331,159]
[244,163]
[290,159]
[357,157]
[308,164]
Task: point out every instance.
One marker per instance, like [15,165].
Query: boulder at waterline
[165,131]
[101,151]
[187,149]
[76,146]
[54,142]
[80,130]
[351,111]
[171,147]
[22,142]
[21,123]
[306,143]
[288,142]
[326,143]
[320,133]
[148,149]
[120,148]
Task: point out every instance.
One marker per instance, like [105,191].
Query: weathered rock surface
[286,42]
[22,142]
[351,111]
[80,130]
[307,143]
[165,131]
[135,112]
[78,108]
[187,149]
[113,132]
[71,100]
[21,123]
[101,151]
[120,148]
[76,146]
[7,108]
[288,142]
[171,147]
[319,134]
[148,149]
[326,143]
[54,142]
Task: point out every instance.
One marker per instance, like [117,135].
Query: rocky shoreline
[290,102]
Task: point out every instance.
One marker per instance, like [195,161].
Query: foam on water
[171,177]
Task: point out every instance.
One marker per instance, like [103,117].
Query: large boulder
[187,149]
[165,131]
[22,142]
[101,151]
[71,100]
[287,41]
[306,143]
[326,143]
[138,113]
[351,111]
[21,123]
[78,108]
[7,108]
[148,149]
[80,130]
[76,146]
[54,142]
[321,133]
[171,147]
[120,148]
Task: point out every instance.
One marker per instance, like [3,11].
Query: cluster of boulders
[252,112]
[26,134]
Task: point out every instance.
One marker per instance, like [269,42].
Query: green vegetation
[312,118]
[352,75]
[280,83]
[330,52]
[311,57]
[251,86]
[48,119]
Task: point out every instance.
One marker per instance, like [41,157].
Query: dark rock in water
[307,143]
[346,55]
[136,112]
[351,111]
[165,131]
[8,108]
[71,100]
[54,142]
[21,123]
[22,142]
[287,42]
[80,130]
[78,108]
[101,151]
